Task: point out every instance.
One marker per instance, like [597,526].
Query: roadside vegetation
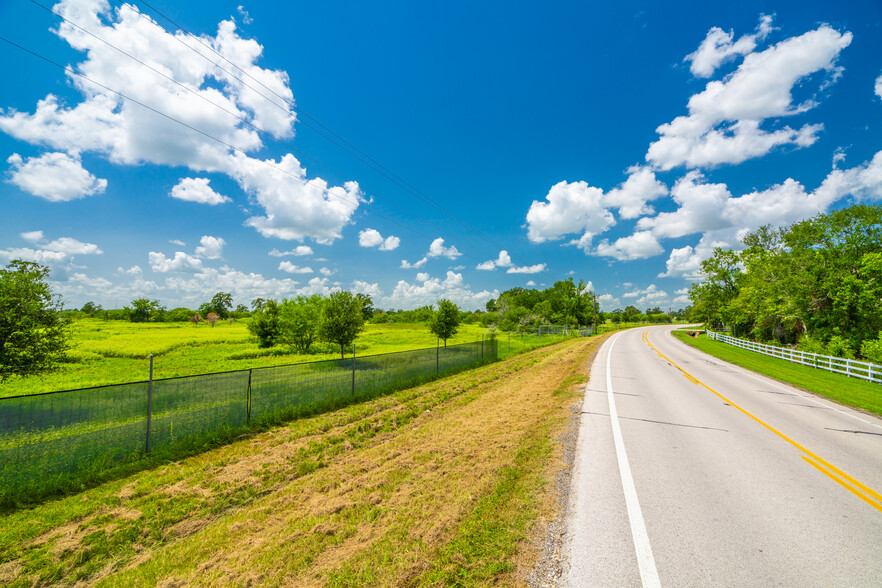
[435,485]
[837,387]
[816,284]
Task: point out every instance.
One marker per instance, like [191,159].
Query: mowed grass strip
[434,485]
[837,387]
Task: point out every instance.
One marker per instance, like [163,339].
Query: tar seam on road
[645,560]
[857,488]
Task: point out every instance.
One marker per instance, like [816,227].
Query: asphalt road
[693,472]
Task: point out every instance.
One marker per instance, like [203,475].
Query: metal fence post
[438,355]
[353,369]
[509,342]
[149,402]
[248,398]
[482,346]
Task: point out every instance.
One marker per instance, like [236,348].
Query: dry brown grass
[366,495]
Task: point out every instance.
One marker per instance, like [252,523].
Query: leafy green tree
[144,309]
[33,337]
[221,304]
[179,315]
[265,324]
[91,308]
[630,313]
[342,319]
[299,321]
[367,310]
[445,322]
[257,304]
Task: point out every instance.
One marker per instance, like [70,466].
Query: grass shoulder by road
[434,485]
[837,387]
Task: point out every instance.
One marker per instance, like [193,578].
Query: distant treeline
[566,303]
[817,283]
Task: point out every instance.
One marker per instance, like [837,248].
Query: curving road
[693,472]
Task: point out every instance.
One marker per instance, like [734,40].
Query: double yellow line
[860,490]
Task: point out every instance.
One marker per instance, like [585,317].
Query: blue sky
[508,144]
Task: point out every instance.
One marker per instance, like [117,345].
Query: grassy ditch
[434,485]
[837,387]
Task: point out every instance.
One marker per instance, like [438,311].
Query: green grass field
[114,352]
[839,388]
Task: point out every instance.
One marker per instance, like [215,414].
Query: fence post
[149,402]
[353,369]
[482,346]
[437,355]
[509,342]
[248,398]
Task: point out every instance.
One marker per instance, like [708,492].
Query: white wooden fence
[849,367]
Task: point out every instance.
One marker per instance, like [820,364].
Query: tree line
[816,284]
[34,335]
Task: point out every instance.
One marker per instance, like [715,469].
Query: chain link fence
[52,435]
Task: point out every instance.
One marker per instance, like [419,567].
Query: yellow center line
[866,493]
[843,483]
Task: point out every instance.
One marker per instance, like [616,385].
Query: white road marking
[645,560]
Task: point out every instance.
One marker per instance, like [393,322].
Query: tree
[367,310]
[630,313]
[265,324]
[91,308]
[221,304]
[445,321]
[341,319]
[212,318]
[257,304]
[33,337]
[143,310]
[299,321]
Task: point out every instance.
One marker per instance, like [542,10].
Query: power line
[212,137]
[233,114]
[359,154]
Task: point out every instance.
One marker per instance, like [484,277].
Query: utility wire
[70,70]
[233,114]
[339,142]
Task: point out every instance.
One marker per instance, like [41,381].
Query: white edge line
[645,560]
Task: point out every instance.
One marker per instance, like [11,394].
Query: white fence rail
[840,365]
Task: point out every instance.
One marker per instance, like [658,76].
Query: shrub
[839,347]
[872,350]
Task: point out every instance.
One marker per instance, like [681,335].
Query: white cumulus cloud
[210,247]
[57,177]
[527,269]
[372,238]
[180,263]
[430,290]
[287,266]
[503,260]
[437,249]
[298,251]
[416,265]
[719,47]
[640,245]
[191,90]
[568,208]
[372,290]
[724,121]
[197,190]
